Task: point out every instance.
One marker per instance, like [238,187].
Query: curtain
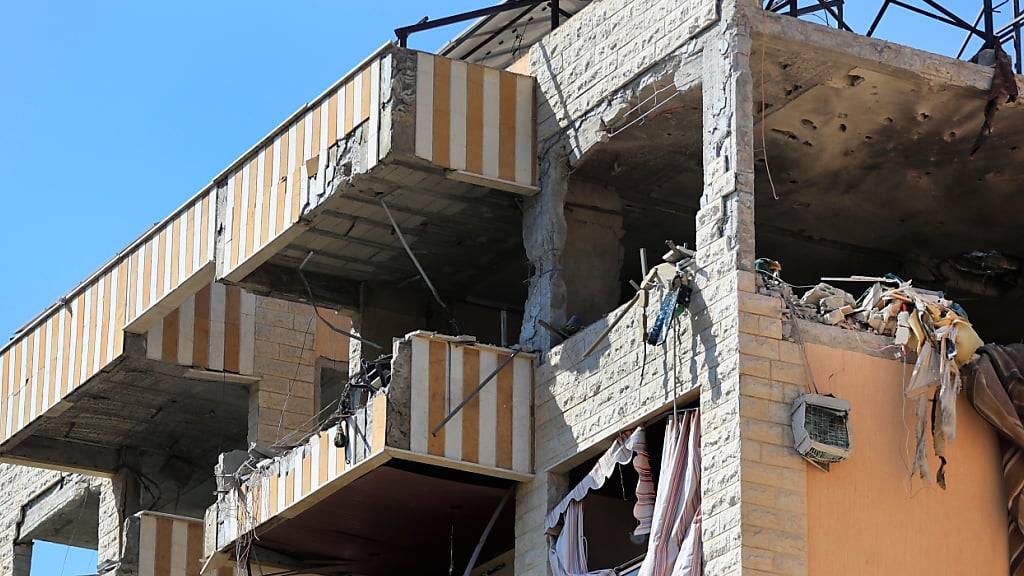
[674,548]
[568,553]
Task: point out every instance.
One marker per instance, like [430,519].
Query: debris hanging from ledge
[923,322]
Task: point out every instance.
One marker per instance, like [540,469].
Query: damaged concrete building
[411,331]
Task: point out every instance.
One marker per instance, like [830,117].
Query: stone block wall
[19,485]
[589,71]
[774,477]
[603,47]
[283,404]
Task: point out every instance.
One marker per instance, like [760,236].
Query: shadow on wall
[623,379]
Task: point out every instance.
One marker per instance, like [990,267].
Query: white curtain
[568,552]
[674,548]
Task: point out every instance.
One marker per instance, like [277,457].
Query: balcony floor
[397,519]
[173,427]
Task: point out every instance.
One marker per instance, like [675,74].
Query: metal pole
[487,531]
[878,18]
[401,238]
[1016,37]
[970,34]
[990,26]
[473,394]
[554,13]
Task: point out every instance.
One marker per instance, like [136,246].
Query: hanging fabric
[568,552]
[674,548]
[622,451]
[995,386]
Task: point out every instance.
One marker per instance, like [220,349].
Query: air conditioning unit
[821,429]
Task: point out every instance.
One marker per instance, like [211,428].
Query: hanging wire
[316,309]
[764,145]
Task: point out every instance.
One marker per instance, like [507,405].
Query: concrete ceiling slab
[872,172]
[455,229]
[363,528]
[146,415]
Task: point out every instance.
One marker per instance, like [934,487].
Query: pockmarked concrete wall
[867,516]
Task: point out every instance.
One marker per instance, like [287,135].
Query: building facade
[398,331]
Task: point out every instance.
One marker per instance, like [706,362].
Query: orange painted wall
[866,517]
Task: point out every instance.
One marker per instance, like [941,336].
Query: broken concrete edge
[872,53]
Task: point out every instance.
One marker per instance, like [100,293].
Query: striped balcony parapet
[477,121]
[431,374]
[494,429]
[84,332]
[171,546]
[434,137]
[213,329]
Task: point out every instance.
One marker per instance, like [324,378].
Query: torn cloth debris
[996,389]
[921,321]
[1004,85]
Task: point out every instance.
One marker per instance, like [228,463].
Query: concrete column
[592,258]
[118,530]
[533,500]
[22,560]
[544,234]
[725,255]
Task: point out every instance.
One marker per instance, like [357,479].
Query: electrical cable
[291,382]
[316,309]
[764,145]
[74,533]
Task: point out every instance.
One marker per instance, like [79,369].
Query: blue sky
[115,112]
[56,560]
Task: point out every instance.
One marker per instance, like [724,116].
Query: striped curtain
[674,548]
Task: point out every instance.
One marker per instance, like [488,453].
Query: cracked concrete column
[544,233]
[118,548]
[22,560]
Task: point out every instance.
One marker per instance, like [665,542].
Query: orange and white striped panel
[171,253]
[171,546]
[307,468]
[65,347]
[495,428]
[476,119]
[268,191]
[214,329]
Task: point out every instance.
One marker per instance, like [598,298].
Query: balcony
[449,146]
[71,386]
[400,486]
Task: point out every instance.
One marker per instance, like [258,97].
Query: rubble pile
[925,326]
